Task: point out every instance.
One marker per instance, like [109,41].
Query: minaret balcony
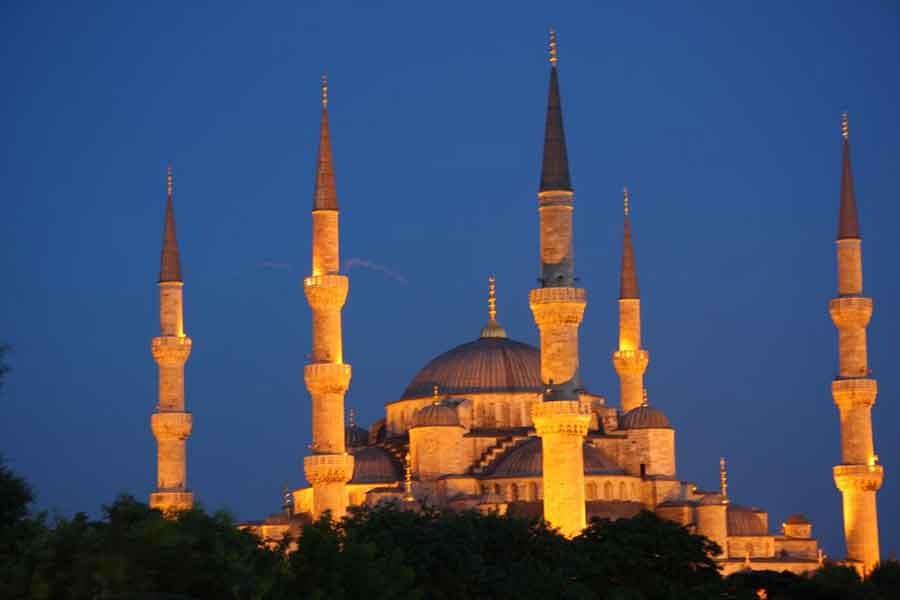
[854,393]
[328,468]
[558,305]
[631,362]
[858,478]
[324,292]
[850,311]
[171,350]
[327,378]
[171,425]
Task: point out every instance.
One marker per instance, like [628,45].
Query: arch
[514,492]
[623,491]
[607,491]
[591,491]
[533,491]
[498,490]
[634,491]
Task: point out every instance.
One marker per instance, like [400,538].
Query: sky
[723,119]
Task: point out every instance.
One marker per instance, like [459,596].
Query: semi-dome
[644,417]
[489,364]
[435,415]
[372,464]
[527,460]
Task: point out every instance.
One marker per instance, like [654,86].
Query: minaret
[561,419]
[859,476]
[327,377]
[171,424]
[630,359]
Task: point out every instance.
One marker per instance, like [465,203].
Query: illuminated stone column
[859,476]
[561,419]
[171,424]
[630,360]
[327,377]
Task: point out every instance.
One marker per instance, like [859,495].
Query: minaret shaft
[859,476]
[562,418]
[327,377]
[171,424]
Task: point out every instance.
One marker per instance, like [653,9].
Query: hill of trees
[133,552]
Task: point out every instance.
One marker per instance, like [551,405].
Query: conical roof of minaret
[628,283]
[170,262]
[555,165]
[848,221]
[325,196]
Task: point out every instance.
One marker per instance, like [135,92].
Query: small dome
[644,417]
[797,519]
[372,464]
[744,520]
[356,436]
[527,460]
[436,415]
[487,365]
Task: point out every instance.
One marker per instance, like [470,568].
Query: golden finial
[407,479]
[352,419]
[723,479]
[435,393]
[169,185]
[324,90]
[625,200]
[554,56]
[845,126]
[645,403]
[492,298]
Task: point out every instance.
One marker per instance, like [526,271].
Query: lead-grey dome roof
[527,460]
[372,464]
[489,364]
[435,415]
[644,417]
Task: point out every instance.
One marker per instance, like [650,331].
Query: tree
[646,557]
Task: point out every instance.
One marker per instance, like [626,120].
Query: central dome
[489,364]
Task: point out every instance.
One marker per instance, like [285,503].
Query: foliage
[135,553]
[647,557]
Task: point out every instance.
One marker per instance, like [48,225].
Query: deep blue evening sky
[722,119]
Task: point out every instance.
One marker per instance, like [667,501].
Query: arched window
[532,491]
[498,490]
[634,491]
[514,492]
[506,416]
[607,491]
[591,492]
[623,491]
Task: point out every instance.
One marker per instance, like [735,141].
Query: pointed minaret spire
[492,328]
[848,224]
[325,196]
[628,284]
[170,262]
[555,166]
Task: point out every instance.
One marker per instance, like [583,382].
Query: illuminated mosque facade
[498,425]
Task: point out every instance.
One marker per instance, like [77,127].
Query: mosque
[497,424]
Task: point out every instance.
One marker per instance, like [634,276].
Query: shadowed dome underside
[497,365]
[527,460]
